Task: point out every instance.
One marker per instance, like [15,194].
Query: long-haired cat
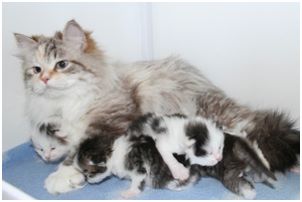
[68,76]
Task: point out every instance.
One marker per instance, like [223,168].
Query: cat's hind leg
[235,182]
[137,185]
[241,187]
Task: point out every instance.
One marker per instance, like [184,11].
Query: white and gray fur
[93,97]
[130,157]
[199,139]
[136,157]
[49,143]
[239,169]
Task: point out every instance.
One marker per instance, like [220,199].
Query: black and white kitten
[132,157]
[239,168]
[198,138]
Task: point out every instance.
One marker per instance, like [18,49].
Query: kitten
[49,143]
[198,138]
[239,168]
[132,157]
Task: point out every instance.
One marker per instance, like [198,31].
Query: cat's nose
[45,79]
[47,157]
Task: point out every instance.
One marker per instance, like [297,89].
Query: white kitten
[49,143]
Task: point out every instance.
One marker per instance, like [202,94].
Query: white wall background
[250,50]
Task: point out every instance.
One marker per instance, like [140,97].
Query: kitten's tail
[277,139]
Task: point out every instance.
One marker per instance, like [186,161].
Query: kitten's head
[49,146]
[53,64]
[92,158]
[207,142]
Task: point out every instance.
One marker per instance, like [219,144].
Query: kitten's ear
[25,42]
[60,134]
[74,35]
[190,142]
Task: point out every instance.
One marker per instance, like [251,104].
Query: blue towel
[22,168]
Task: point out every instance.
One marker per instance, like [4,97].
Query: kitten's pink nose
[45,79]
[47,157]
[218,157]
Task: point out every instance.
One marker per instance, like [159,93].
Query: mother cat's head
[54,65]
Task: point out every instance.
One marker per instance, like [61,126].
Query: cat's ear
[74,35]
[60,134]
[25,42]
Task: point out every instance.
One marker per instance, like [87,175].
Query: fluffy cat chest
[69,109]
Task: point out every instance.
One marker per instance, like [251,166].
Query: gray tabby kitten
[66,76]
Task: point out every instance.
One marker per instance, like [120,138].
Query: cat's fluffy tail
[277,138]
[272,133]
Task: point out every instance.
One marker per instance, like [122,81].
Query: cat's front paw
[65,179]
[180,172]
[130,193]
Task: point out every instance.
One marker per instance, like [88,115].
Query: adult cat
[67,79]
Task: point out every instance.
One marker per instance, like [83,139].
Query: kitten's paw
[180,172]
[174,185]
[295,169]
[65,179]
[247,191]
[130,193]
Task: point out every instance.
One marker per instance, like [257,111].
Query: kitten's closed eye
[200,152]
[102,164]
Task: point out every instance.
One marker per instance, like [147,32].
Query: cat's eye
[53,148]
[41,150]
[37,69]
[62,64]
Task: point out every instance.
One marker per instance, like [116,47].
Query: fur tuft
[277,139]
